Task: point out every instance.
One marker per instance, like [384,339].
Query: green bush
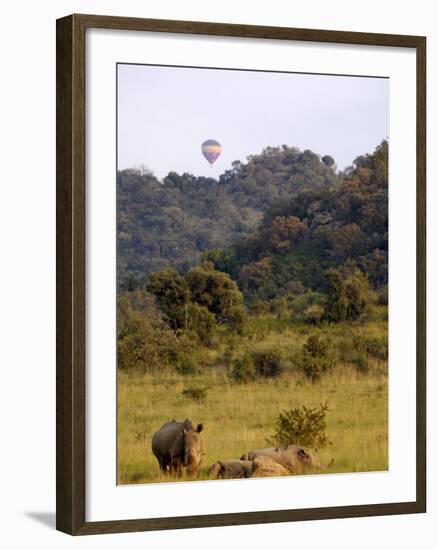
[313,314]
[279,306]
[361,361]
[317,357]
[201,322]
[196,393]
[377,347]
[145,343]
[267,363]
[259,307]
[243,369]
[186,365]
[301,426]
[348,299]
[382,296]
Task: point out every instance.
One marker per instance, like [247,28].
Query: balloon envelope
[211,150]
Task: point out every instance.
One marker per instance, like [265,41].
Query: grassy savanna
[239,417]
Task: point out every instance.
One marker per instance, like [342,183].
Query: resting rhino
[178,445]
[263,466]
[231,469]
[293,458]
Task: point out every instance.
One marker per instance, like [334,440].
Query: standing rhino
[294,458]
[231,469]
[178,445]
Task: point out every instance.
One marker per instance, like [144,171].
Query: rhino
[231,469]
[263,466]
[178,446]
[294,458]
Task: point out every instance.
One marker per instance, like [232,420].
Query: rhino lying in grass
[262,466]
[179,445]
[295,459]
[231,469]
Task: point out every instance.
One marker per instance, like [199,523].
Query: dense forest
[174,221]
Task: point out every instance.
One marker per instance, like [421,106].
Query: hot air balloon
[211,150]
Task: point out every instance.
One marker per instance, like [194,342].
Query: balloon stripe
[211,150]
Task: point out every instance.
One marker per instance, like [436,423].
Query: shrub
[313,314]
[301,426]
[377,347]
[301,303]
[294,287]
[186,365]
[347,299]
[373,346]
[382,296]
[279,306]
[317,357]
[145,343]
[259,307]
[196,393]
[243,369]
[361,361]
[201,322]
[268,363]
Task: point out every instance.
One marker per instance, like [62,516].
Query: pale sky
[165,113]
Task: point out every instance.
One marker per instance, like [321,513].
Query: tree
[255,274]
[349,298]
[336,302]
[172,296]
[358,293]
[145,343]
[328,160]
[286,231]
[217,292]
[201,322]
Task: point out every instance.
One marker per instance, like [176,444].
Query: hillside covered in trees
[325,226]
[174,221]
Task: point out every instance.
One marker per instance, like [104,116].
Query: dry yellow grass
[238,418]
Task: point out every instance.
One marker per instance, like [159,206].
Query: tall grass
[239,417]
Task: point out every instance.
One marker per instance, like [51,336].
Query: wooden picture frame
[71,284]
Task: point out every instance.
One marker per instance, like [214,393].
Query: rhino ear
[302,454]
[199,428]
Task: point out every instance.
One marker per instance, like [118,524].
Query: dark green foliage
[307,307]
[382,296]
[317,357]
[313,314]
[336,302]
[347,298]
[320,227]
[186,365]
[243,369]
[267,363]
[301,426]
[196,393]
[361,361]
[172,296]
[201,322]
[361,350]
[217,292]
[328,160]
[174,221]
[147,344]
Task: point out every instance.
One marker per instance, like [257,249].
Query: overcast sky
[165,113]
